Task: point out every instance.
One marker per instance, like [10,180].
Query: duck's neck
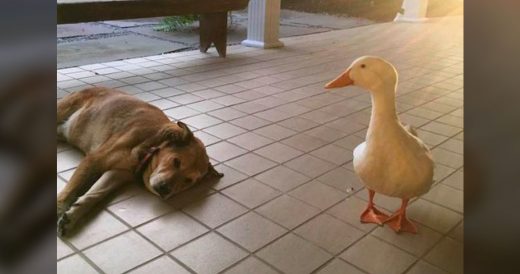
[383,110]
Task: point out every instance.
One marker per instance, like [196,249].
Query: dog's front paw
[63,224]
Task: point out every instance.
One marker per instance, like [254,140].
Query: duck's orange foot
[399,223]
[373,215]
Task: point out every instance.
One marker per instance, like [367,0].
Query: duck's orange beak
[341,81]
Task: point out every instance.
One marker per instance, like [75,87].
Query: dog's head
[179,162]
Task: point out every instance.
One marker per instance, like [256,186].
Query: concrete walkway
[88,43]
[289,201]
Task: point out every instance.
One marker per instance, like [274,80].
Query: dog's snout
[162,189]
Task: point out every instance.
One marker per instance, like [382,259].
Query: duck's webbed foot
[398,221]
[373,215]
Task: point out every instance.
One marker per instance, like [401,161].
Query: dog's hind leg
[108,183]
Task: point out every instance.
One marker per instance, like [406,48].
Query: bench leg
[213,29]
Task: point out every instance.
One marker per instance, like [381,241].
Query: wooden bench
[213,14]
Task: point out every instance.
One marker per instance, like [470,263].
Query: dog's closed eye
[176,163]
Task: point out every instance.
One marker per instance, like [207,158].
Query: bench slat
[76,11]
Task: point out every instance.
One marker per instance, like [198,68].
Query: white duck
[392,160]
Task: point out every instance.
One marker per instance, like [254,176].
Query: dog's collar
[146,160]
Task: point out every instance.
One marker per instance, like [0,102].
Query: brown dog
[125,140]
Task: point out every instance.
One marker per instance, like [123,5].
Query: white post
[263,24]
[414,11]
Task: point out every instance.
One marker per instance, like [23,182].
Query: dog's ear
[176,133]
[213,172]
[186,133]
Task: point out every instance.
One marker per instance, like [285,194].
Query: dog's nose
[162,189]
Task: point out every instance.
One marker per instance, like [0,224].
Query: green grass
[175,23]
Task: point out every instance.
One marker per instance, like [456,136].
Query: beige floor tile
[209,254]
[376,256]
[304,142]
[250,164]
[74,264]
[180,229]
[334,154]
[329,233]
[252,231]
[298,124]
[201,121]
[338,266]
[140,209]
[205,106]
[287,211]
[62,249]
[282,178]
[350,211]
[447,158]
[349,142]
[432,215]
[250,141]
[347,125]
[224,130]
[417,244]
[275,132]
[317,194]
[422,267]
[191,195]
[228,100]
[231,176]
[446,196]
[292,254]
[214,210]
[164,104]
[251,193]
[185,99]
[424,113]
[224,151]
[441,129]
[431,139]
[278,152]
[122,253]
[342,179]
[447,255]
[274,115]
[95,229]
[412,120]
[318,116]
[440,172]
[227,114]
[162,265]
[452,120]
[179,113]
[326,134]
[310,165]
[251,265]
[453,145]
[165,92]
[207,139]
[68,159]
[458,233]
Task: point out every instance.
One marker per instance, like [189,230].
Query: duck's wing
[412,130]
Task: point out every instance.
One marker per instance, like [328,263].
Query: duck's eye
[363,65]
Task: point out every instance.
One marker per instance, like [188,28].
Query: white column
[263,24]
[414,11]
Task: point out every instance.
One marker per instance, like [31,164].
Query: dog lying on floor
[125,140]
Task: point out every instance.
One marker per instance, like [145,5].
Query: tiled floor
[289,201]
